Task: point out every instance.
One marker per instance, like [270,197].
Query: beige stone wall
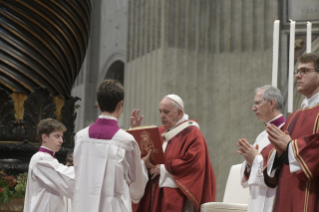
[213,53]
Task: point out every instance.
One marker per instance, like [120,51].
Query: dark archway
[116,71]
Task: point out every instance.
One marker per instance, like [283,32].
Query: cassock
[48,182]
[186,179]
[261,196]
[297,181]
[108,166]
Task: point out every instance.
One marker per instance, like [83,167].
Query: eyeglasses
[303,71]
[257,103]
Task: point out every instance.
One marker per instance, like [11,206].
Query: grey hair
[270,92]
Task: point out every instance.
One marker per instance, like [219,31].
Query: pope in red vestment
[187,161]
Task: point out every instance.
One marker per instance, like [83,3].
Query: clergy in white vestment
[110,173]
[267,106]
[49,181]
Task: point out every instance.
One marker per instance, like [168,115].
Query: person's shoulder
[84,133]
[123,136]
[41,156]
[194,129]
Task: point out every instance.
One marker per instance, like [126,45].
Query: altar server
[48,180]
[107,160]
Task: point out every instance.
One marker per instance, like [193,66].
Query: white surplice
[48,182]
[110,174]
[261,196]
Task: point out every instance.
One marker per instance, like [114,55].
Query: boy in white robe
[48,180]
[110,173]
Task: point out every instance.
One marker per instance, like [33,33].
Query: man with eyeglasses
[267,106]
[291,160]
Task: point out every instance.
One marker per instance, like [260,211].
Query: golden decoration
[18,99]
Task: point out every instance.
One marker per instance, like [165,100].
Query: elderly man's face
[261,107]
[169,115]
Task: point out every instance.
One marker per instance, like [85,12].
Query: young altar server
[48,180]
[110,173]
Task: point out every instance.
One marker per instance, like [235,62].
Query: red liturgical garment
[187,160]
[298,191]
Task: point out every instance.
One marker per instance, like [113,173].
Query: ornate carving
[14,147]
[14,166]
[68,119]
[38,106]
[7,115]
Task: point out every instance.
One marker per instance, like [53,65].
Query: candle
[291,65]
[309,37]
[275,50]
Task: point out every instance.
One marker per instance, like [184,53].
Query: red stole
[188,161]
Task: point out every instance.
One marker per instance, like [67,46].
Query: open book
[148,137]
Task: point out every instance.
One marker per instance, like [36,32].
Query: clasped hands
[247,150]
[278,138]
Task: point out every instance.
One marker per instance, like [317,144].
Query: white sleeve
[293,163]
[270,164]
[139,174]
[56,175]
[166,179]
[243,181]
[256,177]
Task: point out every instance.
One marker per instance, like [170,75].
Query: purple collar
[103,128]
[278,121]
[52,153]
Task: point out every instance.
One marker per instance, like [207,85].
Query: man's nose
[298,76]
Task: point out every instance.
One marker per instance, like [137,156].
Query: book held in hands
[148,137]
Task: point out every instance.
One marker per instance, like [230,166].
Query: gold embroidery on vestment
[197,203]
[307,196]
[300,160]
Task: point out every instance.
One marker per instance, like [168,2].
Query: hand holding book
[147,160]
[149,138]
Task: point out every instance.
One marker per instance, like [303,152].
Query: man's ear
[180,113]
[120,105]
[44,138]
[272,104]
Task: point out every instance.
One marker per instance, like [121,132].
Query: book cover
[148,137]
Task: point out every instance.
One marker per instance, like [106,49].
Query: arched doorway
[116,71]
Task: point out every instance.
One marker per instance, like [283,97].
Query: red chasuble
[299,191]
[187,160]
